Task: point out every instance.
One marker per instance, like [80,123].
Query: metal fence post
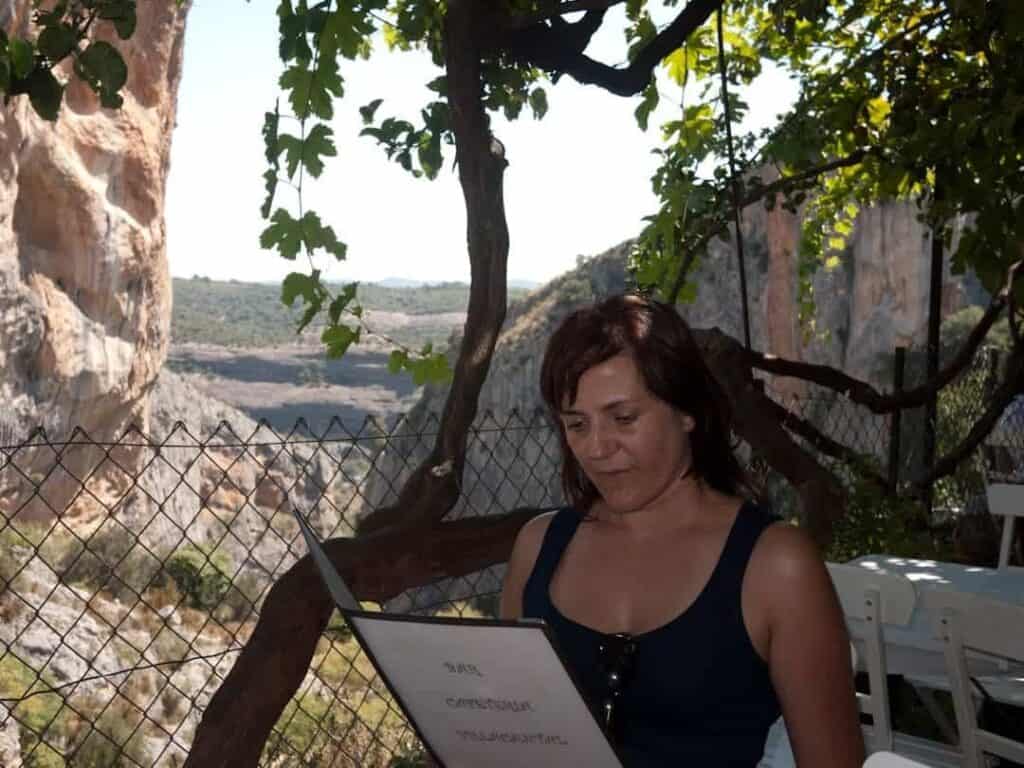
[992,377]
[992,457]
[934,328]
[899,362]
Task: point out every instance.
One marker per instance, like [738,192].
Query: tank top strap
[751,520]
[556,538]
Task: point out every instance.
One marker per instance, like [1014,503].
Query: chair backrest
[1007,501]
[891,760]
[896,592]
[869,600]
[968,622]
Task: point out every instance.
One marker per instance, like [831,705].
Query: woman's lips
[610,472]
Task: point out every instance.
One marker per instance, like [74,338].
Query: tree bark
[559,48]
[270,668]
[405,545]
[433,488]
[756,422]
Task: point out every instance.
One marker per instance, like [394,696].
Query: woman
[708,615]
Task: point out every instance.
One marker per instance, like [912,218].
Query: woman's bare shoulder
[520,564]
[530,538]
[786,552]
[786,563]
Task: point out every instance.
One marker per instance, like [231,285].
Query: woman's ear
[689,423]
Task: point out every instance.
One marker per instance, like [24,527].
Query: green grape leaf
[428,152]
[103,68]
[338,339]
[640,35]
[56,41]
[270,183]
[284,233]
[122,14]
[397,360]
[341,301]
[345,31]
[369,110]
[292,31]
[271,122]
[317,235]
[647,105]
[299,285]
[44,93]
[437,116]
[432,368]
[318,145]
[439,85]
[291,147]
[311,92]
[22,57]
[539,102]
[687,294]
[677,66]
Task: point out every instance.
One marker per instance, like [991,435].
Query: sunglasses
[616,655]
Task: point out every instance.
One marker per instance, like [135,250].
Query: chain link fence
[132,571]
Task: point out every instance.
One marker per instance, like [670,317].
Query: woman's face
[632,445]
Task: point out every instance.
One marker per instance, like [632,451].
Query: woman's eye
[573,426]
[625,418]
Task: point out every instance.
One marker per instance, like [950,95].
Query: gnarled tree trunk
[405,545]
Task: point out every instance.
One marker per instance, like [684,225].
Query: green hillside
[237,314]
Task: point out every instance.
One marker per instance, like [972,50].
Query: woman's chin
[621,503]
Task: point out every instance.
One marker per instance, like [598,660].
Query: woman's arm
[520,565]
[809,651]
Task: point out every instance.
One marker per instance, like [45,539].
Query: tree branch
[760,192]
[555,50]
[433,488]
[269,670]
[861,392]
[572,6]
[821,498]
[997,402]
[756,193]
[822,442]
[684,270]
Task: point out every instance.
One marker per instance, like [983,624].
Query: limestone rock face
[85,292]
[10,749]
[874,301]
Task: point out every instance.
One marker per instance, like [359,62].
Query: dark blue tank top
[699,694]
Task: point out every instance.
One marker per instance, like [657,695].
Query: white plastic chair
[1007,501]
[874,599]
[891,760]
[968,622]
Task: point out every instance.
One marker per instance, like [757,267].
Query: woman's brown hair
[673,368]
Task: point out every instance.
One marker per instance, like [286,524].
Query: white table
[914,652]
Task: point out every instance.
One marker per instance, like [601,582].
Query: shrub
[41,715]
[202,578]
[110,559]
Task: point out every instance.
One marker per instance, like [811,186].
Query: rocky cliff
[85,293]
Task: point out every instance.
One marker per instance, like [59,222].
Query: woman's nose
[599,443]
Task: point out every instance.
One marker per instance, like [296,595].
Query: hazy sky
[578,181]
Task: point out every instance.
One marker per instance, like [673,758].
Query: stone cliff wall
[85,294]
